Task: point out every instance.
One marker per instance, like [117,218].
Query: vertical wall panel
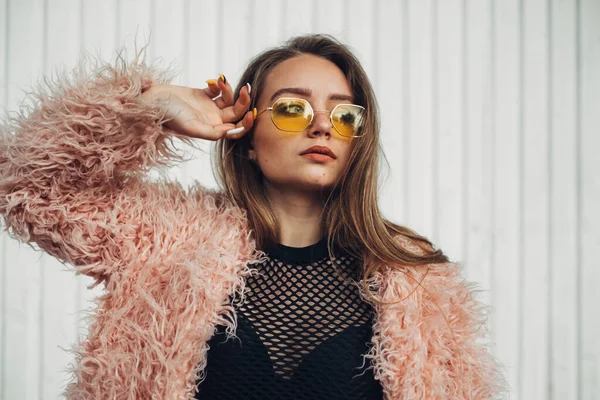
[235,25]
[330,17]
[589,213]
[478,158]
[533,351]
[3,52]
[563,213]
[506,155]
[201,52]
[266,25]
[297,17]
[391,91]
[448,131]
[362,40]
[420,115]
[169,31]
[4,27]
[490,115]
[99,28]
[134,25]
[22,291]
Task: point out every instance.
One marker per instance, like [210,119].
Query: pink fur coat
[72,181]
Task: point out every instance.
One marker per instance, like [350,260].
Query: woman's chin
[317,183]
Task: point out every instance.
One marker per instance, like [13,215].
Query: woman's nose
[321,124]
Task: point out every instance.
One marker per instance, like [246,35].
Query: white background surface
[491,127]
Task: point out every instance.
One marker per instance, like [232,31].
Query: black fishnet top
[302,332]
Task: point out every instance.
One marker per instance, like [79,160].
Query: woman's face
[324,85]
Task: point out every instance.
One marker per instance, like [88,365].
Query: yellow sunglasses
[291,114]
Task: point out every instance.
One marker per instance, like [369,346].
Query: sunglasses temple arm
[263,111]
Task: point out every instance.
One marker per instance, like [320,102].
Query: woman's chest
[297,326]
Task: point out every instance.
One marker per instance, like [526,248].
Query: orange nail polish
[254,112]
[211,81]
[223,78]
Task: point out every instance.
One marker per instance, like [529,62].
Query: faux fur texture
[72,181]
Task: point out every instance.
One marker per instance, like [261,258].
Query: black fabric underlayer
[302,331]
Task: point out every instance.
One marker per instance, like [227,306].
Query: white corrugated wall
[491,127]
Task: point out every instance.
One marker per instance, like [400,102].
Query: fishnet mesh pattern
[303,329]
[294,308]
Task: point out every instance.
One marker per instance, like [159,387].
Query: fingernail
[249,87]
[254,112]
[234,131]
[211,81]
[223,78]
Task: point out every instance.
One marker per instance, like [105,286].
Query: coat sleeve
[454,326]
[72,163]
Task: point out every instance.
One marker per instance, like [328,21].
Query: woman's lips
[318,157]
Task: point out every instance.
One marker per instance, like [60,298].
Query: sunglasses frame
[312,115]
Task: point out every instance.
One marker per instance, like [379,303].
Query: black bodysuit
[302,332]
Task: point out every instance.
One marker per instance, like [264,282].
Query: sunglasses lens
[348,119]
[291,114]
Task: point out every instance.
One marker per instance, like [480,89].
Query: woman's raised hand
[193,112]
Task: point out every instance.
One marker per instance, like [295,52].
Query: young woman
[326,299]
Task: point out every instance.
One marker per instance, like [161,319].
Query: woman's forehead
[307,76]
[306,67]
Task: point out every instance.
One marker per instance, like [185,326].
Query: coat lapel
[398,351]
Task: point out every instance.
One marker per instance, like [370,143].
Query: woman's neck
[299,214]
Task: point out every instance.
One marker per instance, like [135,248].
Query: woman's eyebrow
[308,92]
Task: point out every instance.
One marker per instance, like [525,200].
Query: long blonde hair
[351,217]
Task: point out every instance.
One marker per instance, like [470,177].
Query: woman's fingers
[220,103]
[226,90]
[241,128]
[220,86]
[239,109]
[222,90]
[213,89]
